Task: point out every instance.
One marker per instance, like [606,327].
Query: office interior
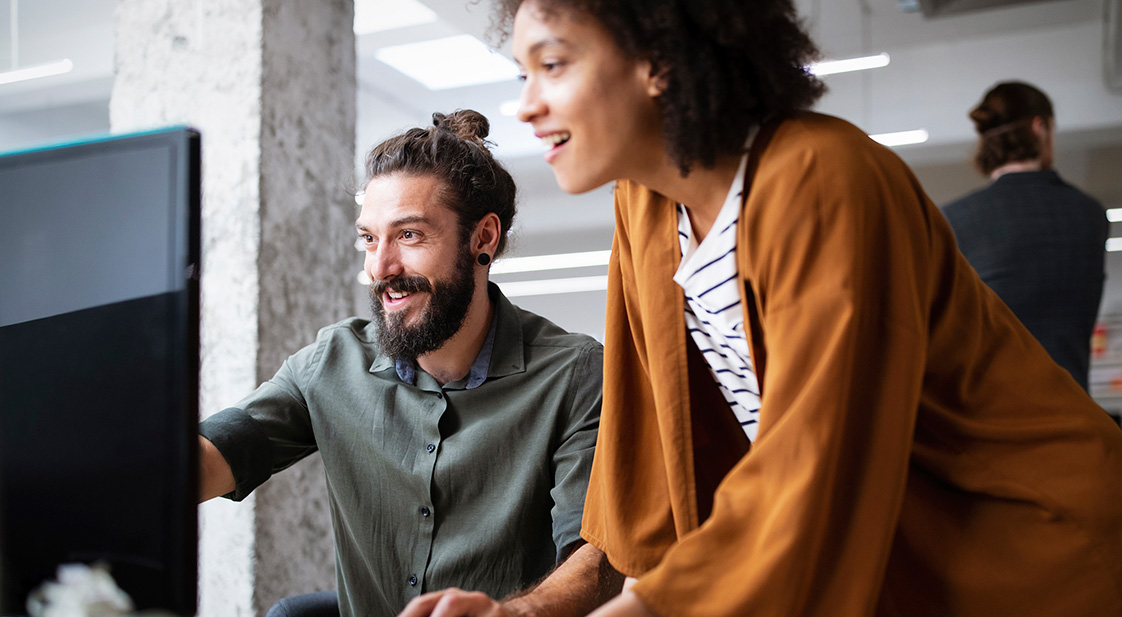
[937,67]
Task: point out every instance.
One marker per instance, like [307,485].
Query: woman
[913,451]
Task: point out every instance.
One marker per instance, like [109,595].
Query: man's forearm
[583,582]
[215,476]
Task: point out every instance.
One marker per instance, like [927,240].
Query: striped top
[714,317]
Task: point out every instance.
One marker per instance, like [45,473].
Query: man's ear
[488,232]
[1039,125]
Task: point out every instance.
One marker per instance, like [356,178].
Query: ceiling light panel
[901,138]
[35,72]
[864,63]
[380,15]
[509,108]
[451,62]
[538,263]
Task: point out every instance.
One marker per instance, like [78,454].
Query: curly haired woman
[812,404]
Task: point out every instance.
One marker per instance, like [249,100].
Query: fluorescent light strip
[901,138]
[561,261]
[1114,214]
[554,286]
[35,72]
[1114,244]
[830,67]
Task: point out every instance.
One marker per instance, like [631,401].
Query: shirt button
[425,512]
[413,581]
[431,447]
[439,395]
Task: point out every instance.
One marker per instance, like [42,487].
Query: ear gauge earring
[483,259]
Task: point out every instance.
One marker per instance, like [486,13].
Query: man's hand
[584,581]
[454,602]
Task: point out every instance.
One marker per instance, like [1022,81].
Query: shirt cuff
[244,445]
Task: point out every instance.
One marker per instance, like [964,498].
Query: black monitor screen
[99,246]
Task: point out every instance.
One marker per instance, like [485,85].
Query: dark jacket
[1038,242]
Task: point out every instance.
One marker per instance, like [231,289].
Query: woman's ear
[658,81]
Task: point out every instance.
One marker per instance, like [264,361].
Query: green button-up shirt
[474,485]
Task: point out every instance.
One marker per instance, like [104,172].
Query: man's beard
[447,308]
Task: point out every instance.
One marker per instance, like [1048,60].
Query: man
[1034,239]
[456,430]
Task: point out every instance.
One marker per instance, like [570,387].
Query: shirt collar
[407,369]
[500,355]
[1036,176]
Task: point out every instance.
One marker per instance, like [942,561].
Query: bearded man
[456,429]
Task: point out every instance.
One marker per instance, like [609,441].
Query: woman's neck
[702,192]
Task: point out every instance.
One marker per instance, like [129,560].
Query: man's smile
[397,300]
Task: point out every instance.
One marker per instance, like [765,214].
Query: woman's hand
[627,604]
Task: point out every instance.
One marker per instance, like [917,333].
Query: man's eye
[408,235]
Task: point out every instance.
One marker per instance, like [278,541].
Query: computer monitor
[99,247]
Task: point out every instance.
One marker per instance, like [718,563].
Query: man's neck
[454,359]
[1015,167]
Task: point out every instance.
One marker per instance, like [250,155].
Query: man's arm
[583,582]
[215,476]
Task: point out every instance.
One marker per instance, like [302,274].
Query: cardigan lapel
[656,257]
[667,345]
[753,329]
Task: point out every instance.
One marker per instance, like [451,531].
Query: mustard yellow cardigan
[918,452]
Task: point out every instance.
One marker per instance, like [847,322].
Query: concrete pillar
[271,86]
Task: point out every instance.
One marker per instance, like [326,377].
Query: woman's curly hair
[454,149]
[1003,121]
[730,64]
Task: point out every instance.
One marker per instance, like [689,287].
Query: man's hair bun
[465,123]
[986,118]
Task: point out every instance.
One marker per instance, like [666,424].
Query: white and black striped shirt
[708,275]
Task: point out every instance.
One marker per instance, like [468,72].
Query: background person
[456,429]
[1034,239]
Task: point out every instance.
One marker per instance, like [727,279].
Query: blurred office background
[413,58]
[938,67]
